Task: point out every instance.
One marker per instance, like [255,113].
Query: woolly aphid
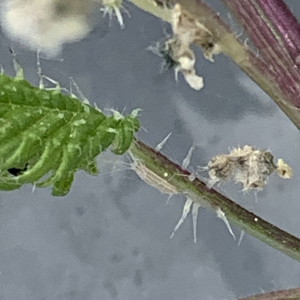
[177,51]
[248,166]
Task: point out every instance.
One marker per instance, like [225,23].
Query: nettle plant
[47,136]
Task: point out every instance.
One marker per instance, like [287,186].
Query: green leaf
[53,135]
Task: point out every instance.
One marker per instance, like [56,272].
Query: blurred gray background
[109,237]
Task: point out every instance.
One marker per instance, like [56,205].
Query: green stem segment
[291,294]
[209,198]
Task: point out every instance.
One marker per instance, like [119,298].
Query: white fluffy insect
[46,24]
[177,52]
[248,166]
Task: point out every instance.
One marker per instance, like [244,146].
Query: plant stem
[268,78]
[290,294]
[210,198]
[275,32]
[278,80]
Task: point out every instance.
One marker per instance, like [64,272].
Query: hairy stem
[279,79]
[290,294]
[210,198]
[275,32]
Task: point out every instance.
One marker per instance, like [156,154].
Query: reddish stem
[275,32]
[286,24]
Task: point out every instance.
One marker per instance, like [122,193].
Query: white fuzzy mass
[45,24]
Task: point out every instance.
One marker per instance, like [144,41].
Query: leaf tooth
[4,186]
[62,187]
[68,163]
[91,167]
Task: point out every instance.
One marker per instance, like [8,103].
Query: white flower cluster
[247,166]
